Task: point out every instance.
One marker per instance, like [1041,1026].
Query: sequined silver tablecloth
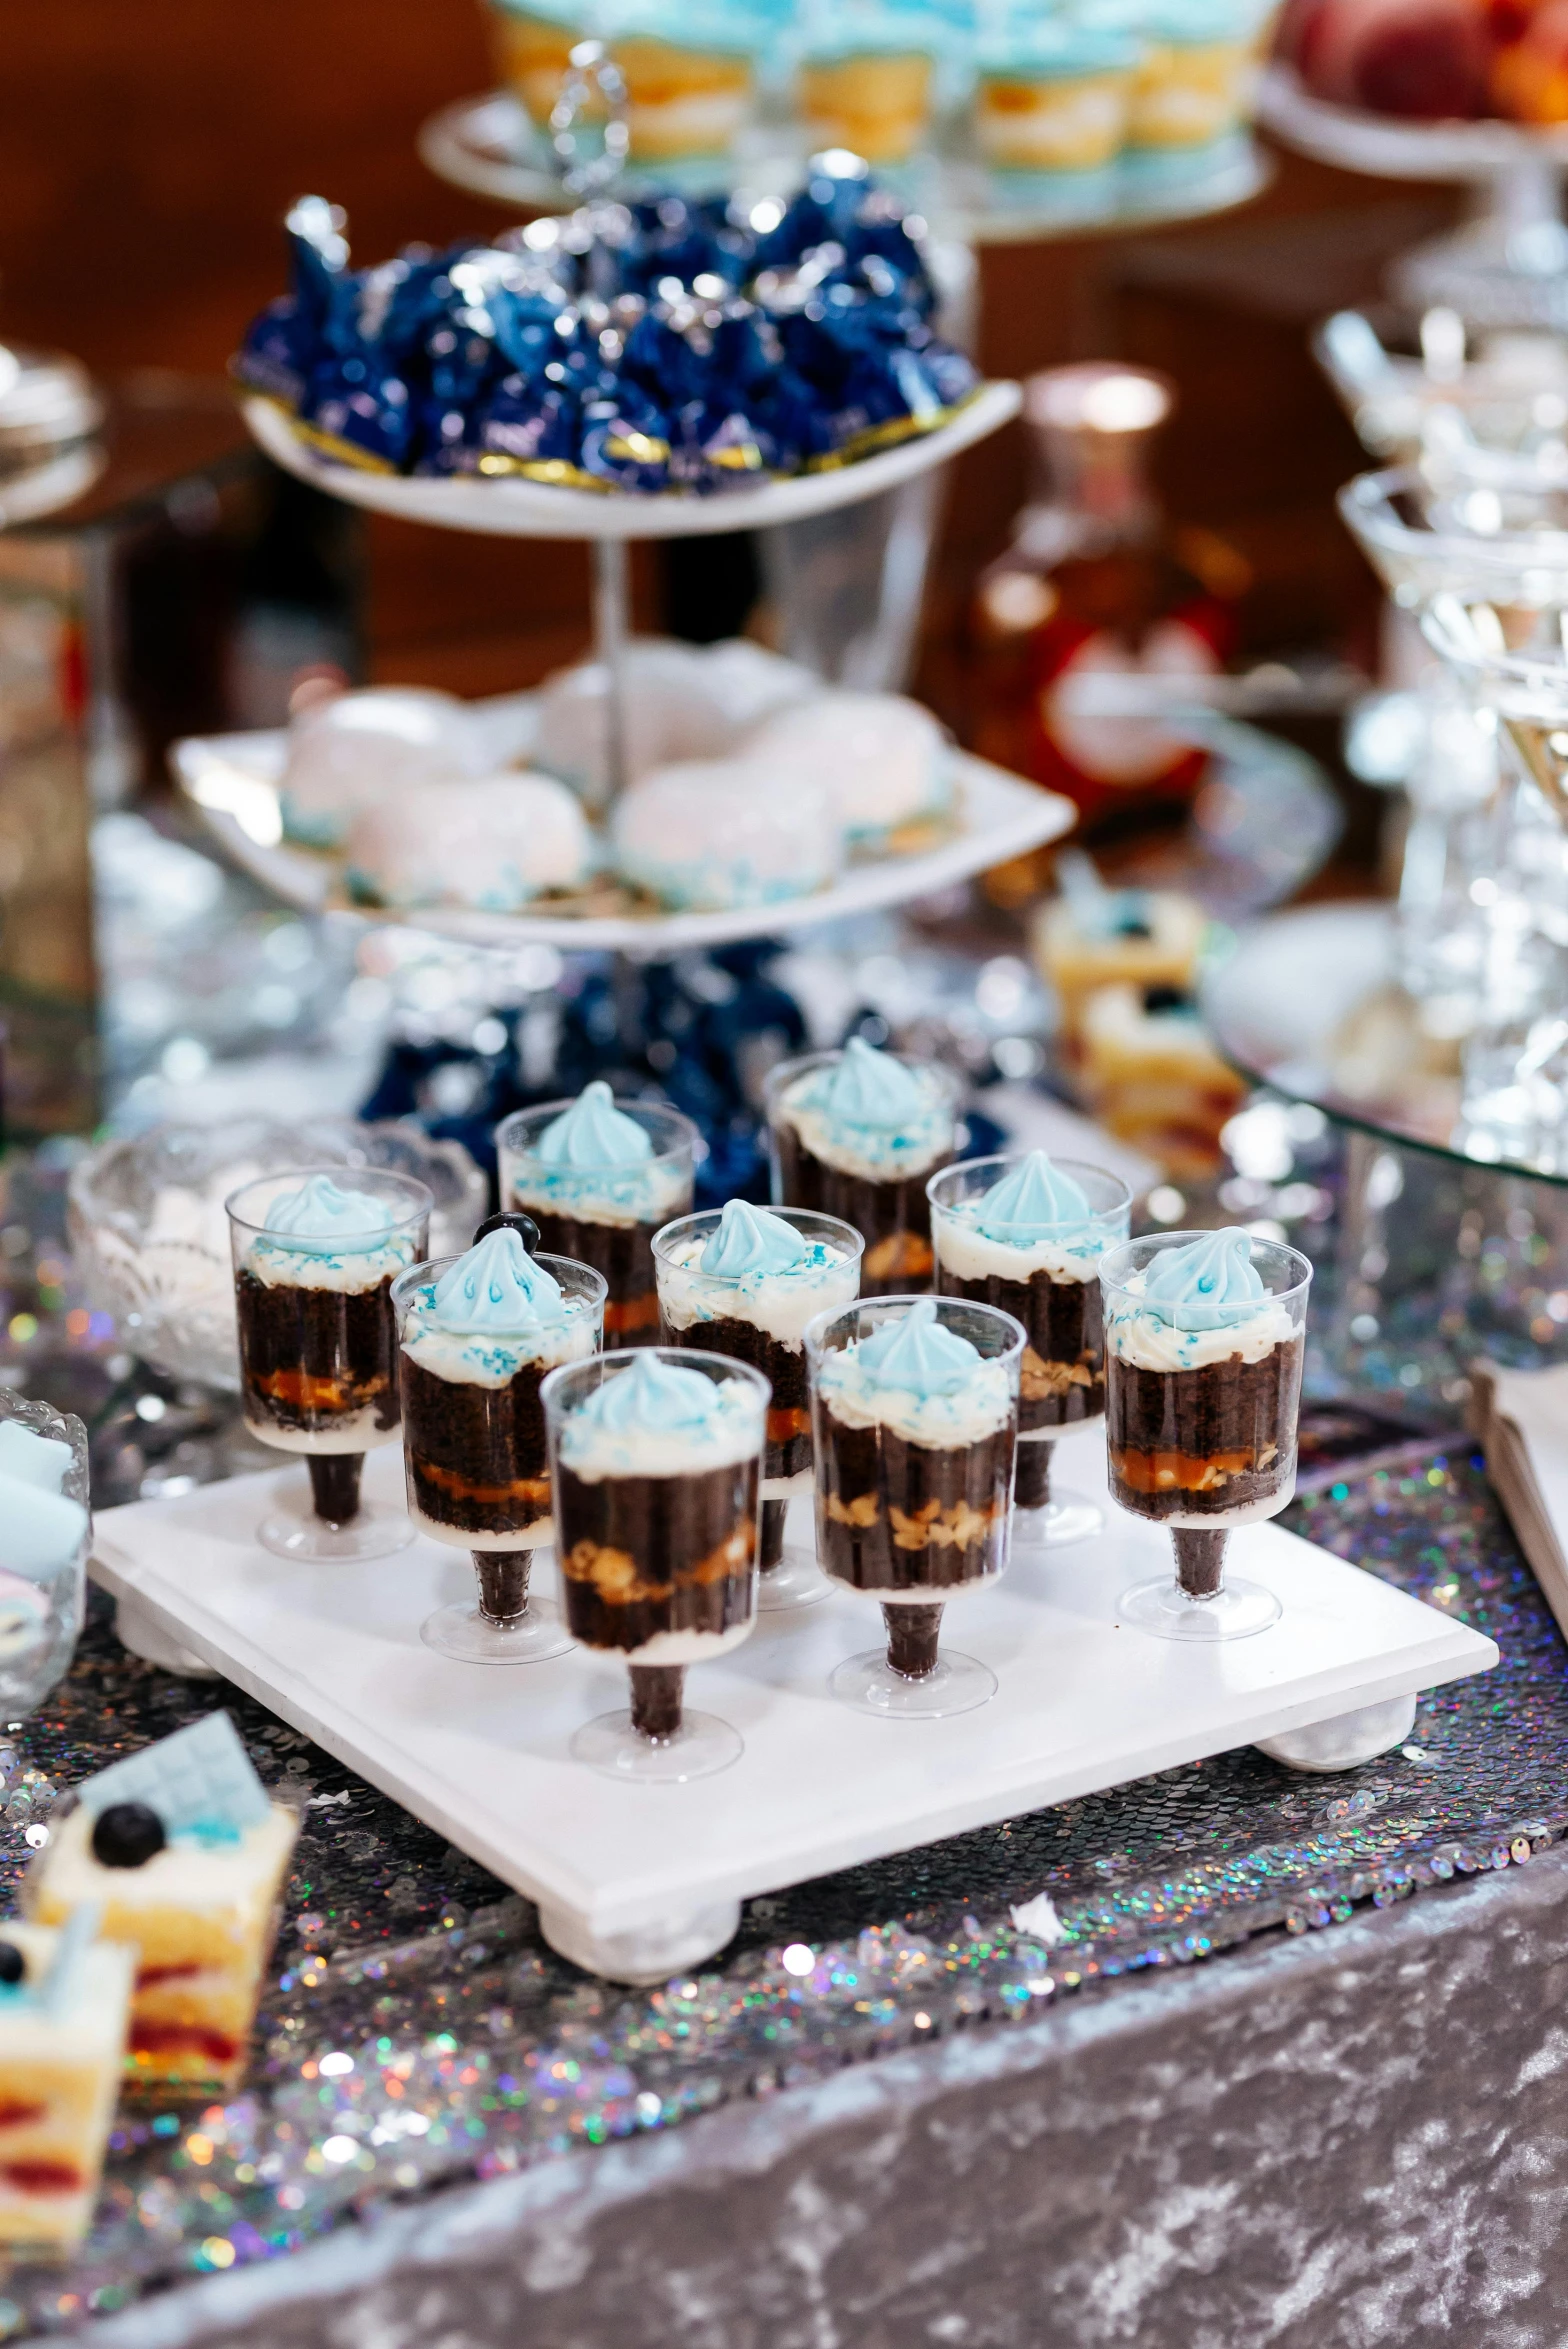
[418,2033]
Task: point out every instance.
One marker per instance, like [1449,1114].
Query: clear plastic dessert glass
[478,1335]
[599,1177]
[315,1255]
[1046,1275]
[1204,1337]
[655,1467]
[745,1282]
[856,1134]
[914,1410]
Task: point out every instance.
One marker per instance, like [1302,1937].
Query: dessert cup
[855,1134]
[315,1255]
[478,1335]
[1027,1235]
[914,1409]
[868,89]
[1053,99]
[745,1282]
[600,1177]
[1204,1337]
[655,1465]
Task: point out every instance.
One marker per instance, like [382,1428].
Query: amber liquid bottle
[1095,588]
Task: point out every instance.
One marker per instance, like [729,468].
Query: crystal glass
[888,1206]
[318,1361]
[878,1492]
[1051,1286]
[604,1216]
[740,1319]
[150,1235]
[637,1551]
[1201,1430]
[41,1613]
[478,1470]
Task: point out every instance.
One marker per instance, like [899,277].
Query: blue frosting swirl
[1209,1284]
[748,1240]
[322,1219]
[871,1089]
[593,1133]
[1031,1201]
[496,1290]
[915,1354]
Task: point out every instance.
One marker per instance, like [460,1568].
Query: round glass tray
[1307,1002]
[488,146]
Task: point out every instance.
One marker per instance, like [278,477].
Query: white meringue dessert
[683,701]
[709,835]
[881,757]
[343,753]
[493,843]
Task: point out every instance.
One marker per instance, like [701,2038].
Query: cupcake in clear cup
[1204,1342]
[478,1335]
[865,82]
[855,1135]
[655,1467]
[315,1255]
[1054,97]
[1027,1234]
[914,1409]
[600,1177]
[745,1281]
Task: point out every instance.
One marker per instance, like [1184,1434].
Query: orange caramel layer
[1165,1472]
[633,1313]
[532,1491]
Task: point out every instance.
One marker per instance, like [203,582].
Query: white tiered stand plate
[641,1881]
[1386,148]
[487,146]
[528,509]
[231,782]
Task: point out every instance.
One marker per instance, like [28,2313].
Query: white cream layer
[532,1537]
[213,1879]
[355,1431]
[489,1361]
[685,1647]
[350,1270]
[939,1423]
[733,1432]
[608,1194]
[779,1303]
[882,1158]
[971,1255]
[1145,1339]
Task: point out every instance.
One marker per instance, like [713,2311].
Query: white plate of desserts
[233,783]
[640,1880]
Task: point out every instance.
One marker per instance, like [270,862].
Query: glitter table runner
[418,2031]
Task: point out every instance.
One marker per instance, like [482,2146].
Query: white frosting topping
[323,1235]
[867,1113]
[780,1302]
[1149,1340]
[944,1402]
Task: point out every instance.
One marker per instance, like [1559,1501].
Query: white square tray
[641,1881]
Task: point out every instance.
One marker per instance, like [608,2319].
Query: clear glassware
[877,1489]
[886,1205]
[318,1355]
[765,1326]
[636,1551]
[604,1216]
[1052,1286]
[41,1612]
[478,1467]
[1201,1431]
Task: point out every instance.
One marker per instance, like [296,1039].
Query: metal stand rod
[611,632]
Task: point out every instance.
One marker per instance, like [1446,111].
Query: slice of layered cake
[64,2003]
[187,1857]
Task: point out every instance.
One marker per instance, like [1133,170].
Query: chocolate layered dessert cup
[857,1134]
[315,1255]
[1027,1235]
[656,1461]
[745,1282]
[914,1405]
[479,1334]
[600,1177]
[1204,1336]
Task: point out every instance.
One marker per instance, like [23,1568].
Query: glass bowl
[151,1239]
[41,1614]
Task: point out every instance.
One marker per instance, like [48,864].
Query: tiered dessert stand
[1508,266]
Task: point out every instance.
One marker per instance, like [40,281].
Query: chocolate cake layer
[892,1217]
[623,1253]
[641,1555]
[313,1356]
[784,1367]
[1220,1438]
[893,1516]
[476,1454]
[1062,1377]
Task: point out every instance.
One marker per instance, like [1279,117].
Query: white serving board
[481,1754]
[231,783]
[530,509]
